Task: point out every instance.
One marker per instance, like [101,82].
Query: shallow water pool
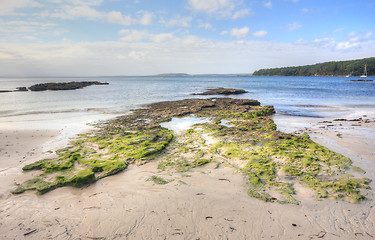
[180,125]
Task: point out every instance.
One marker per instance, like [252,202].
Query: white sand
[127,206]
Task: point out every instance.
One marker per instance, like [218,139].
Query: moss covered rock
[272,161]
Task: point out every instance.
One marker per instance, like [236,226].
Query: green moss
[287,190]
[360,170]
[158,180]
[292,170]
[200,162]
[37,184]
[64,161]
[118,148]
[302,159]
[82,178]
[182,182]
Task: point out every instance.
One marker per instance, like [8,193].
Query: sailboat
[365,72]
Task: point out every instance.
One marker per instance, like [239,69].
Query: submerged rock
[18,89]
[361,80]
[64,85]
[222,91]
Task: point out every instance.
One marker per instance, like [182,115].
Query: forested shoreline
[340,68]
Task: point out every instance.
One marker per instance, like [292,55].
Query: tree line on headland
[341,68]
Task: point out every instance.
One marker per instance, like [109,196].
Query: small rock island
[64,85]
[56,86]
[222,91]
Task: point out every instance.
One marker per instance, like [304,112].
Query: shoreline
[204,207]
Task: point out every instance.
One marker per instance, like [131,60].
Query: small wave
[314,106]
[6,112]
[299,114]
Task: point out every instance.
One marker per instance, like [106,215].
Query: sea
[74,109]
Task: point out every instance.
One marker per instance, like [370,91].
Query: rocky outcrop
[222,91]
[21,89]
[64,85]
[155,113]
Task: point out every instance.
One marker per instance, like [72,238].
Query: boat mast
[365,72]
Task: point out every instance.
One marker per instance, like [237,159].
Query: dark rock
[221,91]
[21,89]
[155,113]
[63,86]
[362,80]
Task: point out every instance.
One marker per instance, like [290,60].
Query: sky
[145,37]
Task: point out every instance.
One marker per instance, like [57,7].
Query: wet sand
[206,203]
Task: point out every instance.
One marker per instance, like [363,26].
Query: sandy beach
[187,120]
[206,203]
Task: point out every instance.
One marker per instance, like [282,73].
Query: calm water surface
[289,95]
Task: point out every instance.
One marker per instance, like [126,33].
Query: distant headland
[341,68]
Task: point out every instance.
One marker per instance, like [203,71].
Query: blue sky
[142,37]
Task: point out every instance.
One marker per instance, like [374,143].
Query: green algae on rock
[158,180]
[96,155]
[272,161]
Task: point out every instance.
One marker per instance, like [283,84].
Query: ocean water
[290,95]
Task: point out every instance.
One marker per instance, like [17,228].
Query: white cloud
[369,34]
[346,45]
[74,12]
[137,55]
[84,2]
[84,11]
[241,13]
[259,34]
[15,27]
[118,18]
[268,4]
[353,41]
[223,8]
[239,32]
[166,53]
[8,7]
[293,26]
[206,26]
[178,22]
[211,6]
[134,35]
[305,10]
[162,37]
[338,30]
[147,18]
[32,38]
